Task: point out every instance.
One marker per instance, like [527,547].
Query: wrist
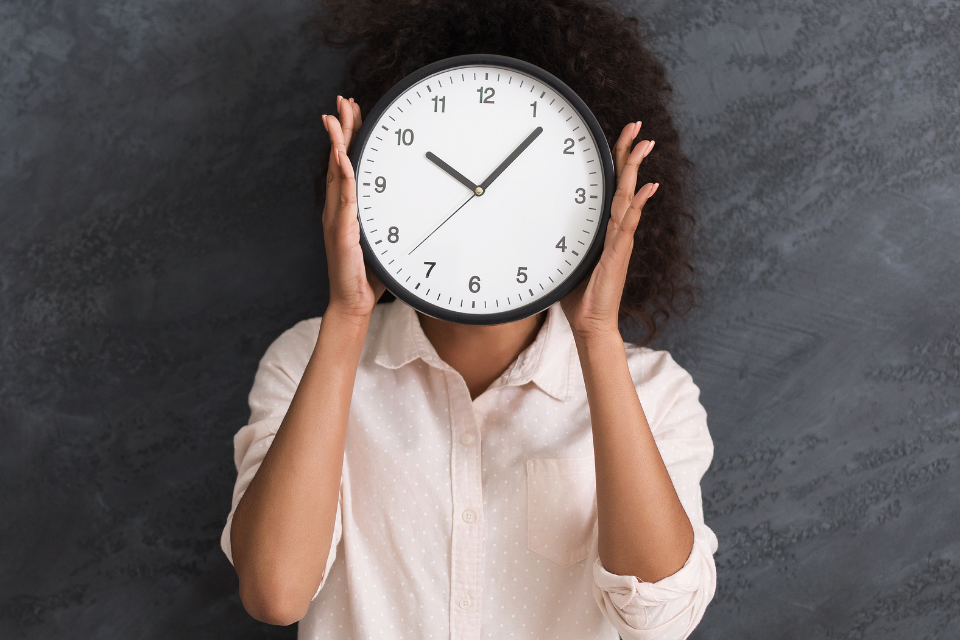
[598,351]
[349,319]
[348,324]
[598,340]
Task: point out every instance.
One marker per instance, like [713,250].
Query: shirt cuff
[670,608]
[332,555]
[225,536]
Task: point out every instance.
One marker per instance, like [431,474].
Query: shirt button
[469,516]
[467,438]
[464,603]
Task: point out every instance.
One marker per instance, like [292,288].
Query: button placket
[467,535]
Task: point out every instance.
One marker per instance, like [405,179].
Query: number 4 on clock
[562,245]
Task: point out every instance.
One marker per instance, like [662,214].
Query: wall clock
[483,188]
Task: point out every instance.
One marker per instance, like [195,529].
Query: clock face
[483,189]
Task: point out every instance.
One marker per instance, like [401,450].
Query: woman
[402,476]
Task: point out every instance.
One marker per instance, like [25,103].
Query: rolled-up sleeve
[276,381]
[671,608]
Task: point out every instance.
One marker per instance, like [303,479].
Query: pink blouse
[471,519]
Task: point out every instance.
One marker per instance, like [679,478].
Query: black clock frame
[590,257]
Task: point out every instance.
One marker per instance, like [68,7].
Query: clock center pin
[479,191]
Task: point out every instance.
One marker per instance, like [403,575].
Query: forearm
[284,523]
[643,529]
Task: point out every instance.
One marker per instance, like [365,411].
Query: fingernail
[336,154]
[339,98]
[649,148]
[323,119]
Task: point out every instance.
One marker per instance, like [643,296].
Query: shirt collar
[548,362]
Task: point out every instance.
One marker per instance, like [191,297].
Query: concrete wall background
[157,232]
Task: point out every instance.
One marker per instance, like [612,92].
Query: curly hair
[590,45]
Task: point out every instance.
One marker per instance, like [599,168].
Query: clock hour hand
[513,156]
[459,177]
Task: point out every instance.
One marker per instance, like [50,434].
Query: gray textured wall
[156,233]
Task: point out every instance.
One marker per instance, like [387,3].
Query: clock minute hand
[432,157]
[513,156]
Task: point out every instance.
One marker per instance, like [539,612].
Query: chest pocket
[561,508]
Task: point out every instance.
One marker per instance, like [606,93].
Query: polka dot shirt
[472,519]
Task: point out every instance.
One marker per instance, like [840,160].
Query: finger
[622,147]
[623,240]
[345,109]
[627,182]
[348,187]
[357,120]
[332,199]
[375,284]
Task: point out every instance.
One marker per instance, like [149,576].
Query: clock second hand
[442,223]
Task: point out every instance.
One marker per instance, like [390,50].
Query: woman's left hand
[592,308]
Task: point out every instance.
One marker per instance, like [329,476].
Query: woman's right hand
[354,289]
